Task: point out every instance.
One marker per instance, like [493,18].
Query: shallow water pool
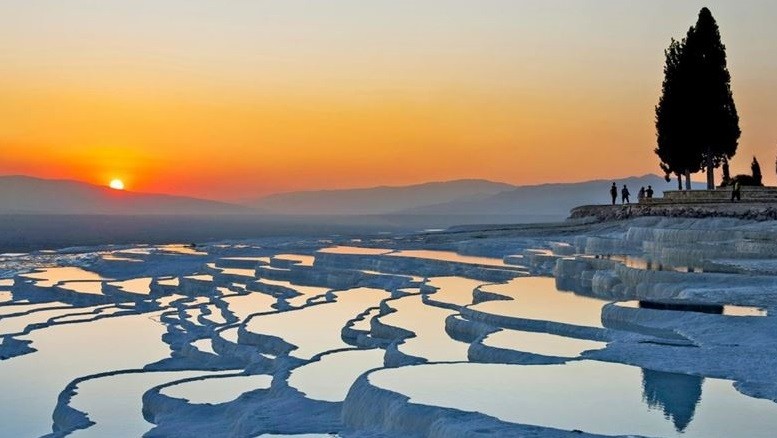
[217,389]
[537,298]
[594,397]
[317,329]
[541,343]
[330,378]
[450,256]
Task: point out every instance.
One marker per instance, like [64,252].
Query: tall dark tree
[671,119]
[696,120]
[715,122]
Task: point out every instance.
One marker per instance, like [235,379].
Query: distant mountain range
[459,198]
[545,199]
[28,195]
[471,200]
[379,200]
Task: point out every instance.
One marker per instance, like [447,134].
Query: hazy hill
[379,200]
[545,199]
[150,218]
[23,194]
[461,201]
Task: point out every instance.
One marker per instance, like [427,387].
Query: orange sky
[228,101]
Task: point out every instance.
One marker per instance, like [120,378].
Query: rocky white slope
[648,327]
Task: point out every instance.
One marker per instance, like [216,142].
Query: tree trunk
[687,180]
[679,181]
[710,171]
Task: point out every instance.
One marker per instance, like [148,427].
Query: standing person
[614,193]
[735,193]
[625,194]
[641,194]
[649,192]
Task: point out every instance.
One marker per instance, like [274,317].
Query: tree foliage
[697,124]
[671,130]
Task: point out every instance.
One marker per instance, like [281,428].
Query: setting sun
[116,184]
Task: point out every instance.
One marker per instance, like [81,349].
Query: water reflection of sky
[50,276]
[541,343]
[595,397]
[175,281]
[454,290]
[243,306]
[182,249]
[449,256]
[428,323]
[317,328]
[115,402]
[330,378]
[216,390]
[16,324]
[31,383]
[537,298]
[84,287]
[141,286]
[341,249]
[249,273]
[299,259]
[305,292]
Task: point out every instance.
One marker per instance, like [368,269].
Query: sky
[235,99]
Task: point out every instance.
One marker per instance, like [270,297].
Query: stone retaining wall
[760,211]
[747,193]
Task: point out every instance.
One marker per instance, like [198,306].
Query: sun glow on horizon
[344,94]
[116,184]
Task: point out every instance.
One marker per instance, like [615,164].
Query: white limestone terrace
[664,327]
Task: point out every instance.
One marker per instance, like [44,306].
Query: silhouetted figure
[735,192]
[675,394]
[649,192]
[614,193]
[641,194]
[625,195]
[726,173]
[755,168]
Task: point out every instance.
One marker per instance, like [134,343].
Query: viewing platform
[756,203]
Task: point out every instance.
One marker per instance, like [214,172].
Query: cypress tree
[714,120]
[671,118]
[697,124]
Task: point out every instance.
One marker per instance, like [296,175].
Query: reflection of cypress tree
[701,308]
[675,394]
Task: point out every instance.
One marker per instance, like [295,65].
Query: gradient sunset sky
[232,99]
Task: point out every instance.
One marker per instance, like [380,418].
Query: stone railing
[756,203]
[747,194]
